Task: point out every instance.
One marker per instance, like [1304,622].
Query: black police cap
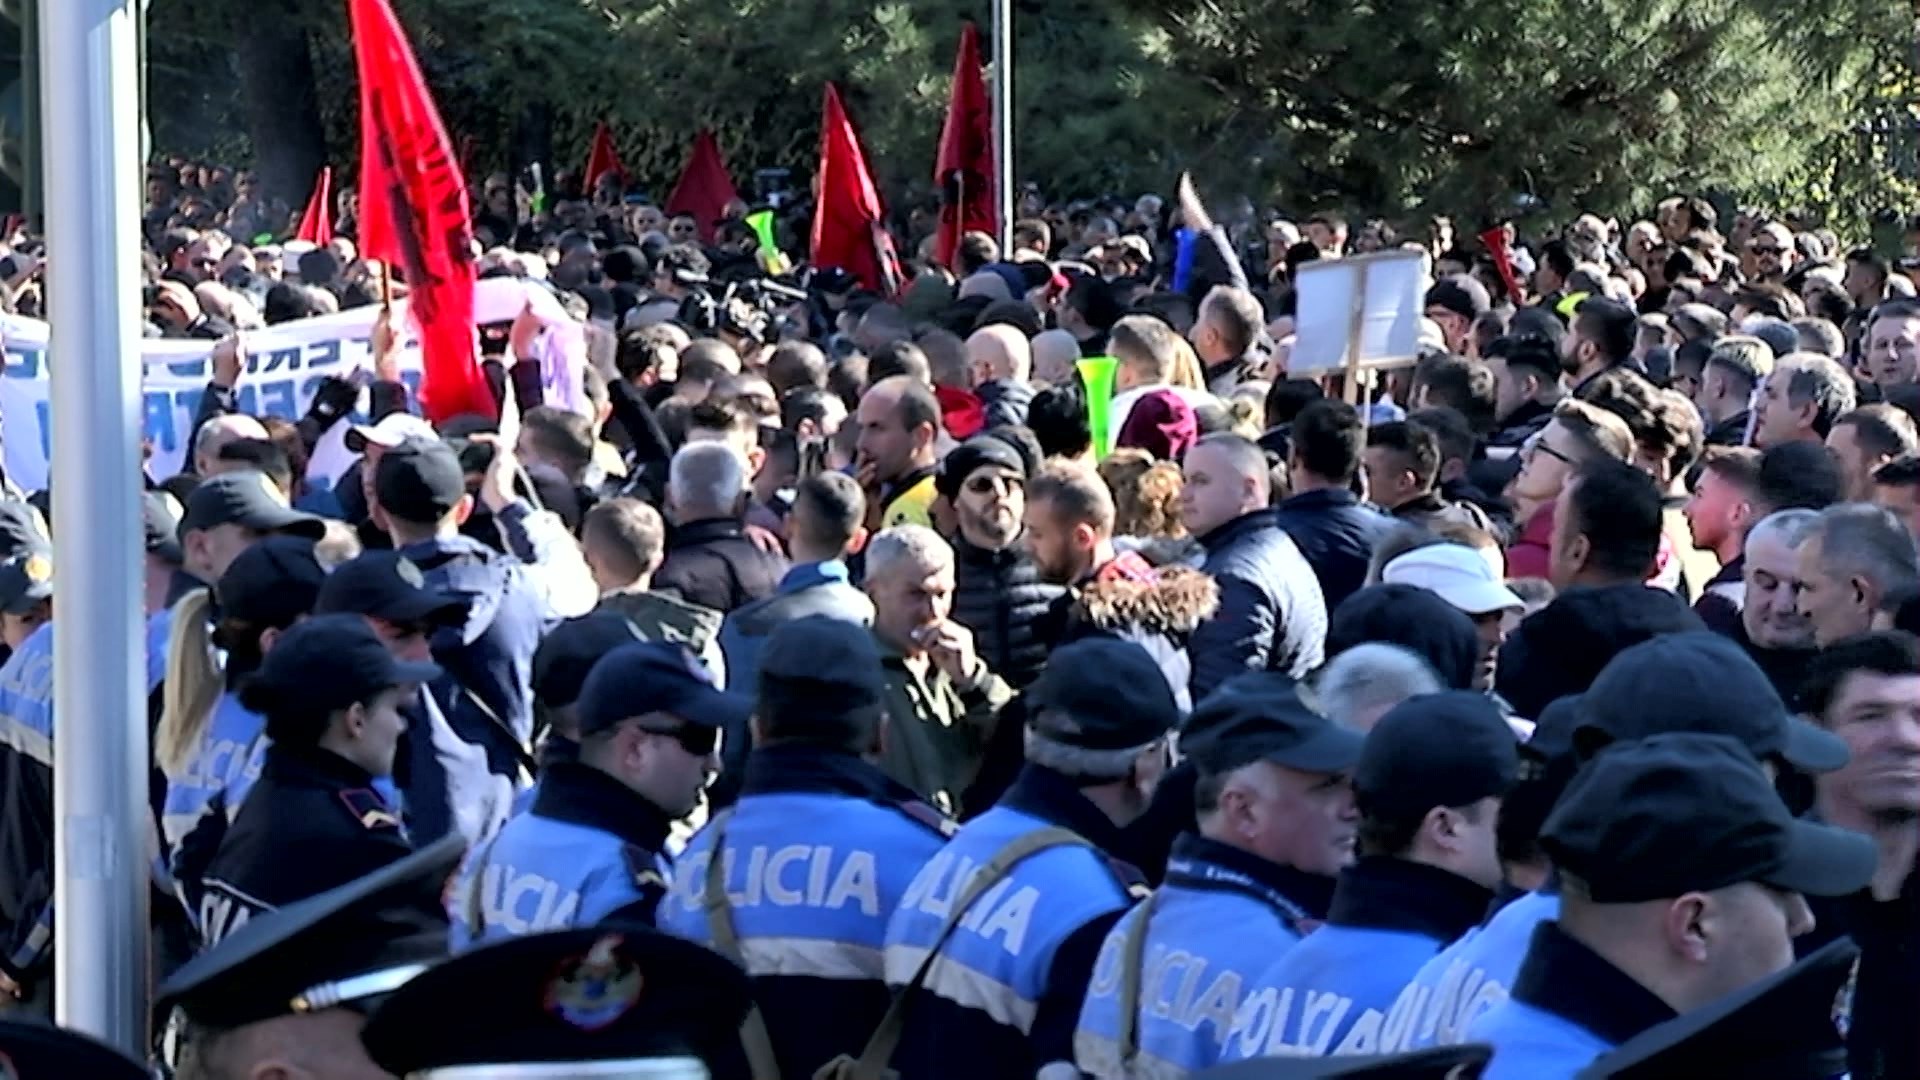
[1463,1062]
[570,650]
[1700,681]
[1780,1028]
[1260,717]
[419,481]
[1447,749]
[601,995]
[387,585]
[160,521]
[26,578]
[272,582]
[1681,812]
[38,1051]
[329,662]
[837,656]
[348,945]
[656,677]
[247,498]
[1102,693]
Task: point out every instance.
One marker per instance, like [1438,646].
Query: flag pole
[103,841]
[1003,118]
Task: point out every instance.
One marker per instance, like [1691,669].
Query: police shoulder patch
[644,867]
[369,809]
[930,817]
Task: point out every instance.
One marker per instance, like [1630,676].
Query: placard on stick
[1357,314]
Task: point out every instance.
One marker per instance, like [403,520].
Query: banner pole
[1003,119]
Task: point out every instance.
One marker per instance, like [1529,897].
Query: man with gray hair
[1772,628]
[1360,685]
[943,704]
[1803,397]
[710,560]
[1854,558]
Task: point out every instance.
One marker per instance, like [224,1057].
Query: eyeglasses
[988,485]
[1540,446]
[695,740]
[1767,250]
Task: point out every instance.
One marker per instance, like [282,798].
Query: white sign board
[1379,296]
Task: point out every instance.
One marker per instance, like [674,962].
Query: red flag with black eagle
[964,170]
[316,225]
[849,222]
[414,212]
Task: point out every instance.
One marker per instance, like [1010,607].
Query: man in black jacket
[1332,528]
[998,591]
[1272,616]
[710,561]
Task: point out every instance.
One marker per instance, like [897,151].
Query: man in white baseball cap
[1462,577]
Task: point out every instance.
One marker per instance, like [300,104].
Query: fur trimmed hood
[1174,601]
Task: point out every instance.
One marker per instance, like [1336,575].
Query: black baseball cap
[160,520]
[569,651]
[248,498]
[330,662]
[1699,681]
[348,946]
[387,585]
[26,578]
[837,656]
[1686,812]
[1780,1027]
[1102,693]
[1447,749]
[40,1051]
[1260,717]
[419,480]
[615,993]
[271,583]
[656,676]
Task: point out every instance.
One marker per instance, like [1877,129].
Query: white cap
[392,430]
[1456,573]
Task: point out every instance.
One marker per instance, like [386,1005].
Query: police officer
[43,1052]
[1000,930]
[443,777]
[1695,682]
[287,994]
[1428,786]
[1683,879]
[590,847]
[331,694]
[1276,823]
[618,1003]
[560,668]
[816,853]
[1781,1028]
[26,776]
[212,757]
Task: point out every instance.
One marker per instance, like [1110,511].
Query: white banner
[285,365]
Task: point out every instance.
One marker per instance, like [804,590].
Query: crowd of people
[821,688]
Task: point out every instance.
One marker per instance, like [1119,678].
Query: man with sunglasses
[443,778]
[998,591]
[590,848]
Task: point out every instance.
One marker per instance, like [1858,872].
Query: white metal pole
[90,85]
[1003,117]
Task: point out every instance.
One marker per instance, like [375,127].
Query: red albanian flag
[316,225]
[414,212]
[965,169]
[704,189]
[849,221]
[602,158]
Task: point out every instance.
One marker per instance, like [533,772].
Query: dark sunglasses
[987,485]
[1768,250]
[695,740]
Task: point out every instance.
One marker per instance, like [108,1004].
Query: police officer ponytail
[193,683]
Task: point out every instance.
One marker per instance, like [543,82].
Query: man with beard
[998,591]
[1866,690]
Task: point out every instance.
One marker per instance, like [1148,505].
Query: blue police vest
[811,880]
[26,858]
[1532,1044]
[227,760]
[997,961]
[1215,924]
[556,866]
[1336,991]
[26,698]
[159,626]
[1473,974]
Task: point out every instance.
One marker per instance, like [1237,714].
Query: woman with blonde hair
[1146,504]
